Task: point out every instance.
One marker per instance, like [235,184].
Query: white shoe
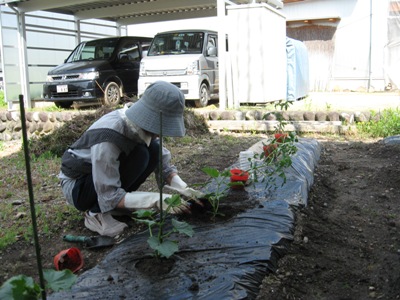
[104,224]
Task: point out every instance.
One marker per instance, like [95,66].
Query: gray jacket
[101,159]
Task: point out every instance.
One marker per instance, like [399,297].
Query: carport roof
[124,12]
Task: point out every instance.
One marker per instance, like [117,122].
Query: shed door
[320,44]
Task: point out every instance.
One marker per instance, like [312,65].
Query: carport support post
[77,24]
[221,54]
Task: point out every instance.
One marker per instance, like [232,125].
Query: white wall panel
[257,48]
[358,51]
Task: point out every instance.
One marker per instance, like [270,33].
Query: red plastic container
[238,175]
[69,259]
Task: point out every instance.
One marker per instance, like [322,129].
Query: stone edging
[37,123]
[300,121]
[42,123]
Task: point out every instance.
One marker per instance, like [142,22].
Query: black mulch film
[223,260]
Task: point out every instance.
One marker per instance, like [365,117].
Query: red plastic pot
[280,137]
[238,175]
[69,259]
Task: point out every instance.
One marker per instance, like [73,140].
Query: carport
[119,12]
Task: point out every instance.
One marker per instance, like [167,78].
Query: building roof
[126,12]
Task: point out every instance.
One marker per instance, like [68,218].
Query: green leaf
[211,172]
[168,248]
[183,227]
[59,280]
[144,213]
[173,201]
[235,183]
[226,173]
[20,287]
[149,223]
[153,242]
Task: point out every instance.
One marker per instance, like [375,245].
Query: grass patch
[384,124]
[51,210]
[16,224]
[3,103]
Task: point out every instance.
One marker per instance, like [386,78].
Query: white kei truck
[185,58]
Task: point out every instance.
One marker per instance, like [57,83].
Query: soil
[346,240]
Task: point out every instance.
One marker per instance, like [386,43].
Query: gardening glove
[179,186]
[148,200]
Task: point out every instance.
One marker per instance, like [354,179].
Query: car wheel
[204,96]
[112,94]
[64,104]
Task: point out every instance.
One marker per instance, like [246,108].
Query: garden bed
[225,259]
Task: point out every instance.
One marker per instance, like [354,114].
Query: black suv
[99,70]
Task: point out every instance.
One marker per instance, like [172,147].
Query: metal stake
[31,200]
[160,168]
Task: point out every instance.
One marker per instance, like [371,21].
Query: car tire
[64,104]
[112,94]
[204,96]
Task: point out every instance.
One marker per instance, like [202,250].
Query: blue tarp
[298,82]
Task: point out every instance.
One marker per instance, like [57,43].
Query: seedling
[159,239]
[222,186]
[276,155]
[274,160]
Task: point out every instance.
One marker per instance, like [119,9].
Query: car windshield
[177,43]
[93,50]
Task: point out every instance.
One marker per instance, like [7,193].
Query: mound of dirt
[347,241]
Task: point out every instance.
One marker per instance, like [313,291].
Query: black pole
[31,200]
[160,168]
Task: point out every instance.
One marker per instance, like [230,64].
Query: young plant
[276,156]
[274,161]
[159,239]
[219,179]
[282,105]
[24,288]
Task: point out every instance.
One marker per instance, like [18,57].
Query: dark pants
[134,170]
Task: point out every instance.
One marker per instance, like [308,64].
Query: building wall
[354,55]
[392,57]
[342,62]
[339,51]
